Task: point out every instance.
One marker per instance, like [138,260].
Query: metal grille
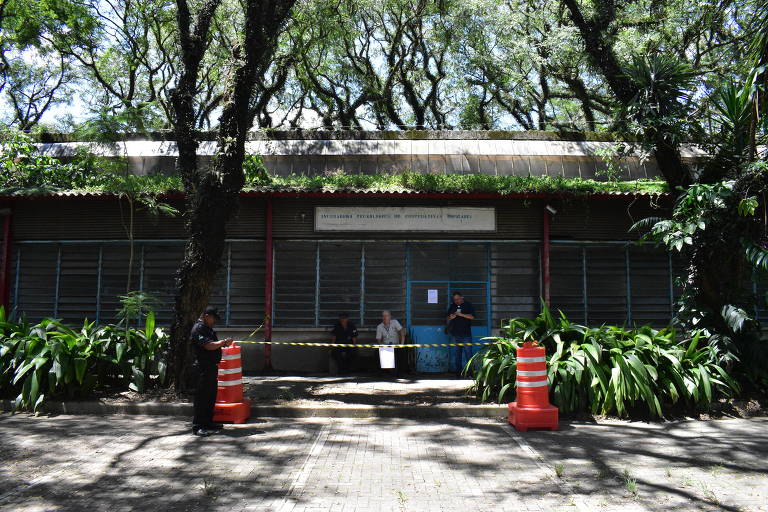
[160,263]
[36,286]
[295,283]
[314,281]
[340,281]
[384,281]
[246,283]
[515,282]
[606,278]
[567,284]
[449,262]
[619,283]
[425,313]
[649,284]
[79,280]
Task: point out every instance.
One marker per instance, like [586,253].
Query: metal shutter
[160,263]
[295,265]
[567,281]
[650,285]
[384,281]
[606,285]
[515,283]
[78,283]
[114,278]
[246,291]
[340,281]
[35,295]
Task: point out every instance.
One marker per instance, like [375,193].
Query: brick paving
[115,463]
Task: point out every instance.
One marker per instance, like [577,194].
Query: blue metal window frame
[486,245]
[448,295]
[408,245]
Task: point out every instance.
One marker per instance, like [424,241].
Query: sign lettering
[404,218]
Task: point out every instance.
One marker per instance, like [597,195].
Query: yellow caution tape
[359,345]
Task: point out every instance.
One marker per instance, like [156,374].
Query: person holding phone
[208,354]
[460,316]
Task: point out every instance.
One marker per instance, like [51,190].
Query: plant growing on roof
[23,167]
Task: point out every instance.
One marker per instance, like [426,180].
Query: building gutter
[447,195]
[357,194]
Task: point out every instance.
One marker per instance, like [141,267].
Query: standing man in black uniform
[208,354]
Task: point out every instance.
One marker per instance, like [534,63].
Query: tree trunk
[209,208]
[597,44]
[212,194]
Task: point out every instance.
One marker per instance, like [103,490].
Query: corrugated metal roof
[282,191]
[354,147]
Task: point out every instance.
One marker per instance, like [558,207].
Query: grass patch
[629,482]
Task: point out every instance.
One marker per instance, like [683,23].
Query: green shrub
[50,359]
[607,369]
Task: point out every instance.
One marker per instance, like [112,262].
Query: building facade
[301,257]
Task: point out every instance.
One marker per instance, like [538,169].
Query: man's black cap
[212,311]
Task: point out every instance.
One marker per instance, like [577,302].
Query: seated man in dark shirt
[344,332]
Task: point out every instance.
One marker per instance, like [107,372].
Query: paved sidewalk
[366,389]
[366,396]
[119,463]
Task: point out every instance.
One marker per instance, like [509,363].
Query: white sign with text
[404,218]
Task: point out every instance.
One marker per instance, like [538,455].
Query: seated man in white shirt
[390,332]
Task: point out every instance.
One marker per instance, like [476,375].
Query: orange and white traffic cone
[532,408]
[231,407]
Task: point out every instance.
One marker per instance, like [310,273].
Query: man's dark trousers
[344,357]
[463,354]
[205,395]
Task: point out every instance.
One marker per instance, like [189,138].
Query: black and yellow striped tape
[360,345]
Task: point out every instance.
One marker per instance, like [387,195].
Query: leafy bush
[50,359]
[23,167]
[608,369]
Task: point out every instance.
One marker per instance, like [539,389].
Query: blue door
[435,270]
[429,301]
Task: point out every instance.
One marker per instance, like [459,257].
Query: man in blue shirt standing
[460,316]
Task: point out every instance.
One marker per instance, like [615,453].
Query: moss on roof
[405,182]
